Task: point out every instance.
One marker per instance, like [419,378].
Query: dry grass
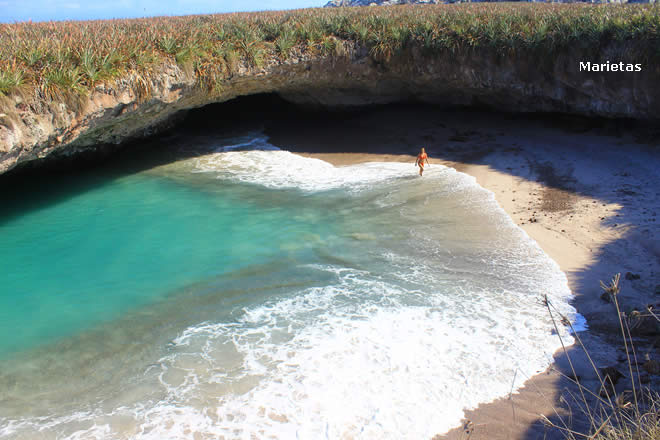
[53,60]
[629,415]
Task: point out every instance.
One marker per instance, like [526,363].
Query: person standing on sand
[420,160]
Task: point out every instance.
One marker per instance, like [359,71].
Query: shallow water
[247,292]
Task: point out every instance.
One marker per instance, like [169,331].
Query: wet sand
[586,191]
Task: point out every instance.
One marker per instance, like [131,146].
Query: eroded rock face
[521,83]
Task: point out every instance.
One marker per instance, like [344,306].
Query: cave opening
[399,128]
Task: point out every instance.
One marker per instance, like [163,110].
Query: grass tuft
[628,415]
[10,81]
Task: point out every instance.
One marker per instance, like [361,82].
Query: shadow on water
[39,186]
[468,136]
[56,179]
[42,183]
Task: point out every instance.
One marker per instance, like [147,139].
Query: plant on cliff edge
[168,44]
[10,81]
[284,43]
[253,52]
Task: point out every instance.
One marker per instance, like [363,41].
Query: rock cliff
[131,108]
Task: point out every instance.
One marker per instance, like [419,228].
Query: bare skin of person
[420,161]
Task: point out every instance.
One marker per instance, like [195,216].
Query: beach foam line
[323,365]
[359,358]
[282,169]
[368,355]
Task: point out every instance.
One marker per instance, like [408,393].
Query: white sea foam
[395,355]
[282,169]
[322,365]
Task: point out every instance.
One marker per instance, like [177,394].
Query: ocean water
[246,292]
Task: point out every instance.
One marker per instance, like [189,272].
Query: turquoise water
[245,292]
[126,242]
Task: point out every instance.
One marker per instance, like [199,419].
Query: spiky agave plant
[10,81]
[284,43]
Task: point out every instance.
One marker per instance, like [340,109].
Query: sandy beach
[587,191]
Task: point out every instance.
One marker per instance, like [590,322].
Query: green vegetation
[10,80]
[57,59]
